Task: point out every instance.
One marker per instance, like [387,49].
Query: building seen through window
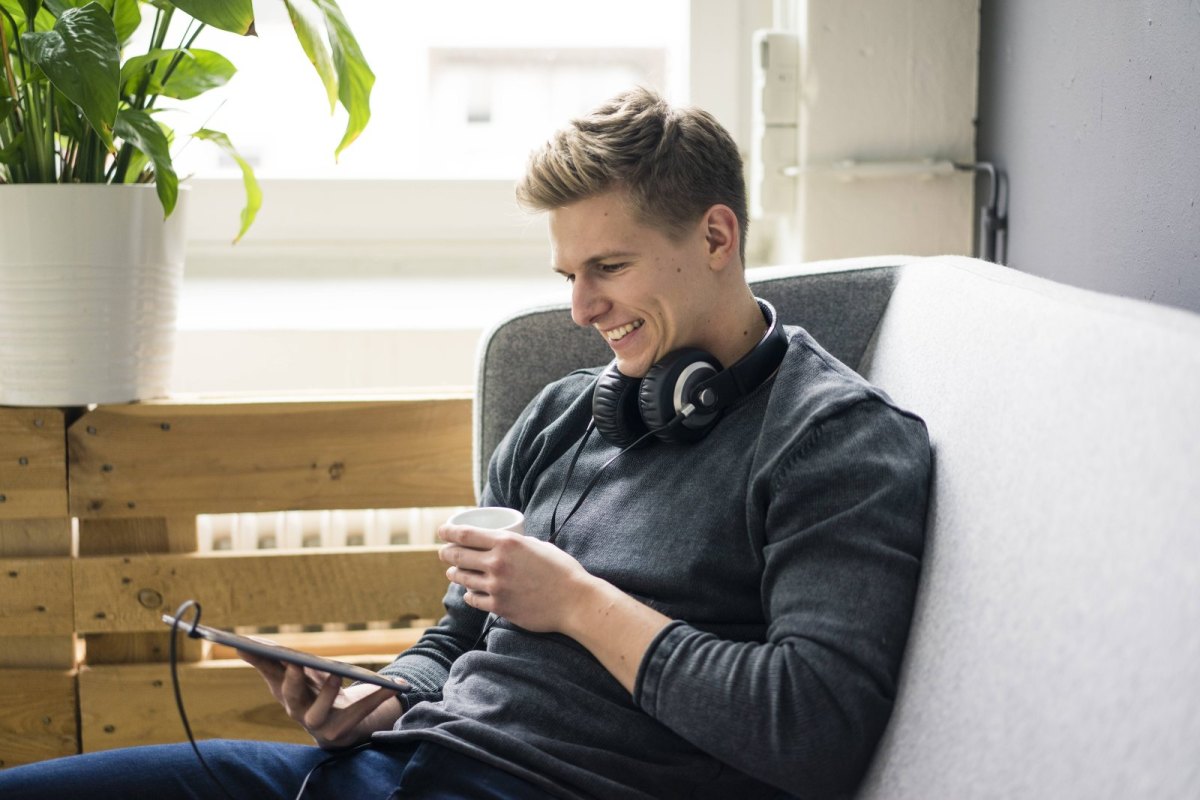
[464,88]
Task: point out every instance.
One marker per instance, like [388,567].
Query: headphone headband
[749,371]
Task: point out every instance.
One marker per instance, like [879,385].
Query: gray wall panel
[1093,109]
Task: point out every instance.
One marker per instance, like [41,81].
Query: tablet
[277,652]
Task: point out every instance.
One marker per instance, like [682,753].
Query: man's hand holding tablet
[310,687]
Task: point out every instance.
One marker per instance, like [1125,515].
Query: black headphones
[682,396]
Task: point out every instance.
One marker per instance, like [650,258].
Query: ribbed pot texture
[89,290]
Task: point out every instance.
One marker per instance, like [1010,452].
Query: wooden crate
[37,640]
[138,475]
[38,717]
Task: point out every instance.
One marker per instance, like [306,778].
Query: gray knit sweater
[785,546]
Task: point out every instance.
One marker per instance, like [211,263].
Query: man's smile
[621,331]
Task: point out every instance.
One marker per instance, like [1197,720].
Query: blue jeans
[265,771]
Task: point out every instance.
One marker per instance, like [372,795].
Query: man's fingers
[357,711]
[346,719]
[318,712]
[479,600]
[471,537]
[469,579]
[271,671]
[297,693]
[261,664]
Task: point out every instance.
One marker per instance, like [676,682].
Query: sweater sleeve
[844,517]
[426,665]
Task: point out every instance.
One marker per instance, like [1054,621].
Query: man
[718,612]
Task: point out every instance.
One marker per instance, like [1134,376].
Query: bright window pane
[464,88]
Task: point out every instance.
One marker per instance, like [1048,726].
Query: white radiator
[247,532]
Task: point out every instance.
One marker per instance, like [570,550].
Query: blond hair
[672,163]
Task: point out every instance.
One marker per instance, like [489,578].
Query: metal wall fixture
[991,240]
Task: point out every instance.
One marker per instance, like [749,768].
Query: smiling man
[723,534]
[721,610]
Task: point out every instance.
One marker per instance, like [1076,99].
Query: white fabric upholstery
[1055,650]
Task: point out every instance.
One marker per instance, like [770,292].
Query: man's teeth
[617,334]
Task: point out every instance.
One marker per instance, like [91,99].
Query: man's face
[644,292]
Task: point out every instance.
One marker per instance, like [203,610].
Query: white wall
[883,81]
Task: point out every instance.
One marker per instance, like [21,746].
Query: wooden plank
[352,584]
[122,706]
[135,536]
[35,537]
[36,597]
[39,652]
[33,464]
[172,459]
[98,537]
[140,648]
[38,719]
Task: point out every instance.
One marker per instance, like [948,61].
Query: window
[382,271]
[463,87]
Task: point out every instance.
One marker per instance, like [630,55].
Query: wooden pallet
[82,648]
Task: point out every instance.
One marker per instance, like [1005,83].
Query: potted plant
[91,209]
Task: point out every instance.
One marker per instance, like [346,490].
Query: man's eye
[611,268]
[569,278]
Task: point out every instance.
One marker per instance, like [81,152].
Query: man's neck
[744,330]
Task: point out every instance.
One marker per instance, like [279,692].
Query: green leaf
[13,154]
[7,104]
[140,130]
[355,78]
[81,59]
[316,49]
[31,7]
[44,20]
[139,169]
[70,121]
[253,191]
[236,16]
[127,16]
[196,73]
[137,163]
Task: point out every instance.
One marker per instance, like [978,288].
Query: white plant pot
[89,289]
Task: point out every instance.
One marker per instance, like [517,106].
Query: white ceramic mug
[494,518]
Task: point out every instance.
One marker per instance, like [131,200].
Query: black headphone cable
[555,528]
[187,728]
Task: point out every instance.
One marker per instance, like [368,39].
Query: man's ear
[722,233]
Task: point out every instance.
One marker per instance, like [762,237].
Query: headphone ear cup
[615,407]
[667,388]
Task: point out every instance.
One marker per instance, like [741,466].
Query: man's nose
[586,302]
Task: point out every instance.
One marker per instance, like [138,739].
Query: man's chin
[632,369]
